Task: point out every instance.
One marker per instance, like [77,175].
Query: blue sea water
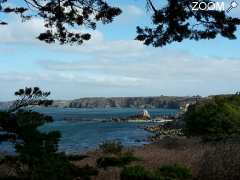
[85,131]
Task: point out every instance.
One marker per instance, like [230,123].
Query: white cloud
[130,14]
[134,10]
[168,67]
[175,73]
[18,32]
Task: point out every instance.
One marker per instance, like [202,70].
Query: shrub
[119,161]
[76,157]
[112,147]
[169,172]
[104,162]
[173,172]
[86,172]
[135,173]
[218,116]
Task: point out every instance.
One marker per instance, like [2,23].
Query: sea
[85,129]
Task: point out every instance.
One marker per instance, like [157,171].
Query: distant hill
[123,102]
[132,102]
[5,105]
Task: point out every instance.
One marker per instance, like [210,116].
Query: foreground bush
[174,172]
[116,161]
[218,116]
[136,173]
[111,147]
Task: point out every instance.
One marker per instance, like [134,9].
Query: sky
[113,64]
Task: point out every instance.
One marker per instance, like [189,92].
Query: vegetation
[112,147]
[218,116]
[114,155]
[135,173]
[172,23]
[37,152]
[170,172]
[119,161]
[221,162]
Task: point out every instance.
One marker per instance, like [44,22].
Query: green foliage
[135,173]
[173,172]
[86,172]
[76,157]
[112,147]
[169,172]
[116,161]
[218,116]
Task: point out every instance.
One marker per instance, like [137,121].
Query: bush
[112,147]
[86,172]
[218,116]
[76,157]
[135,173]
[173,172]
[170,172]
[120,161]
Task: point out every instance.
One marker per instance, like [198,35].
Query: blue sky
[113,64]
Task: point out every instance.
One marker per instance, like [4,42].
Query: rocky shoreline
[162,130]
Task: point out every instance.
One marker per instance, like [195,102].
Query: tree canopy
[174,22]
[218,116]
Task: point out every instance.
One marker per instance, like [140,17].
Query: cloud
[19,32]
[131,13]
[134,10]
[168,72]
[169,67]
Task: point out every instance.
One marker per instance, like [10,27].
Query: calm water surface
[85,131]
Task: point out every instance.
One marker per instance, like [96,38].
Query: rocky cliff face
[132,102]
[121,102]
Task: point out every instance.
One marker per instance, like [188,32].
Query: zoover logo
[214,6]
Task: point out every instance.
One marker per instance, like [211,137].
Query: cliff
[122,102]
[132,102]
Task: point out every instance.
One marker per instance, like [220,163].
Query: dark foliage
[173,23]
[173,172]
[120,161]
[169,172]
[30,97]
[111,147]
[177,21]
[218,116]
[135,173]
[37,152]
[62,18]
[76,157]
